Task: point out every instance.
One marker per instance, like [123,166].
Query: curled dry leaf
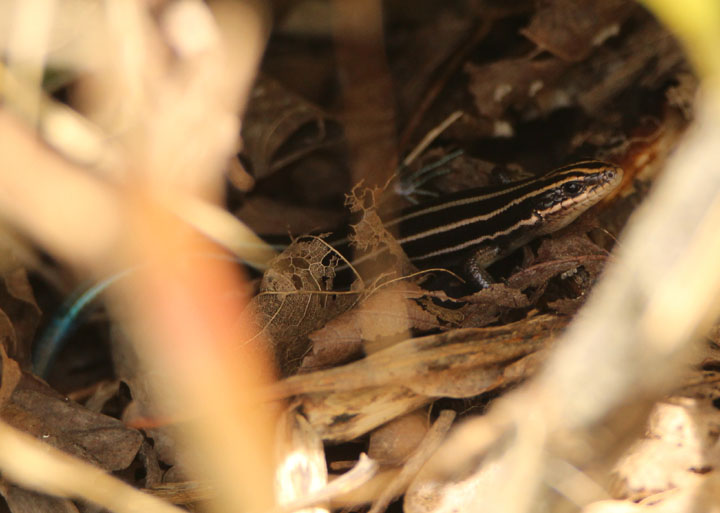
[572,243]
[280,127]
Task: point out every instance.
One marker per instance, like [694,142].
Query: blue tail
[64,322]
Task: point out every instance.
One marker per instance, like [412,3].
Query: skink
[471,229]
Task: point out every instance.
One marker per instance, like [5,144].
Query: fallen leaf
[18,302]
[572,30]
[20,500]
[297,298]
[40,411]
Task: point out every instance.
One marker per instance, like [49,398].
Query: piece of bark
[346,415]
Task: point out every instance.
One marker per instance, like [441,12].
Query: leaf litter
[386,346]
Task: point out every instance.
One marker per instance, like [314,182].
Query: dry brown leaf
[647,56]
[41,412]
[11,372]
[271,217]
[281,127]
[18,302]
[571,242]
[567,307]
[296,298]
[538,275]
[511,82]
[572,30]
[531,87]
[485,306]
[20,500]
[561,255]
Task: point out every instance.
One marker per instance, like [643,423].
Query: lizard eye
[573,188]
[547,201]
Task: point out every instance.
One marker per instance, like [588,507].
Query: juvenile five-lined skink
[470,230]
